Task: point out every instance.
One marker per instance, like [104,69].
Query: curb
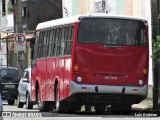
[141,107]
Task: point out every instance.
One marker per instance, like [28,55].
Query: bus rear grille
[105,98]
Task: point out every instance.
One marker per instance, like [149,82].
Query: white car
[24,92]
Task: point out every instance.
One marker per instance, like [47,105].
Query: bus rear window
[112,31]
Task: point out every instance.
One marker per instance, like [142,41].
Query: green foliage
[156,49]
[10,8]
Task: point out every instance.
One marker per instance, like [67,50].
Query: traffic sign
[20,42]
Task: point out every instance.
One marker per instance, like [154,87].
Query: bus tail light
[141,82]
[79,79]
[76,67]
[143,79]
[77,74]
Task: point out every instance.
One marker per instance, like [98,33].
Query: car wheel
[10,102]
[19,104]
[29,105]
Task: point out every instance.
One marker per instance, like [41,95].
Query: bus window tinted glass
[112,32]
[52,44]
[69,38]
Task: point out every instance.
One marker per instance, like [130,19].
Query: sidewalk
[145,104]
[142,107]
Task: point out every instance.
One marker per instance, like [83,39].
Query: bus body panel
[111,66]
[51,77]
[67,76]
[33,84]
[55,68]
[41,69]
[59,74]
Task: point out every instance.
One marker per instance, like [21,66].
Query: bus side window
[59,49]
[63,41]
[41,45]
[39,50]
[38,44]
[65,38]
[52,45]
[47,43]
[34,49]
[50,42]
[56,42]
[68,48]
[44,44]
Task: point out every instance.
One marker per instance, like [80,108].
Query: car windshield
[112,31]
[14,73]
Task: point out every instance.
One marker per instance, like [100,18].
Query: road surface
[11,112]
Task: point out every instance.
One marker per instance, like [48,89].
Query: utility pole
[19,30]
[0,22]
[19,16]
[156,64]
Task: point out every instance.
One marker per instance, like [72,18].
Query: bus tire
[58,105]
[42,106]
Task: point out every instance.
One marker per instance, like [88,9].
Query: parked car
[24,91]
[9,79]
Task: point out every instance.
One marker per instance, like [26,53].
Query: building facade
[33,12]
[6,26]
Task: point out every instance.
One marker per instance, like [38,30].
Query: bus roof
[73,19]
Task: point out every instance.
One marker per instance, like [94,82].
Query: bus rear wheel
[58,104]
[121,109]
[42,105]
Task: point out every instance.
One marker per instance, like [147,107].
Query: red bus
[91,60]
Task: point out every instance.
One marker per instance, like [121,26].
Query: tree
[156,70]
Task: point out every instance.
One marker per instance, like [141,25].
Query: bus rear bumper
[126,90]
